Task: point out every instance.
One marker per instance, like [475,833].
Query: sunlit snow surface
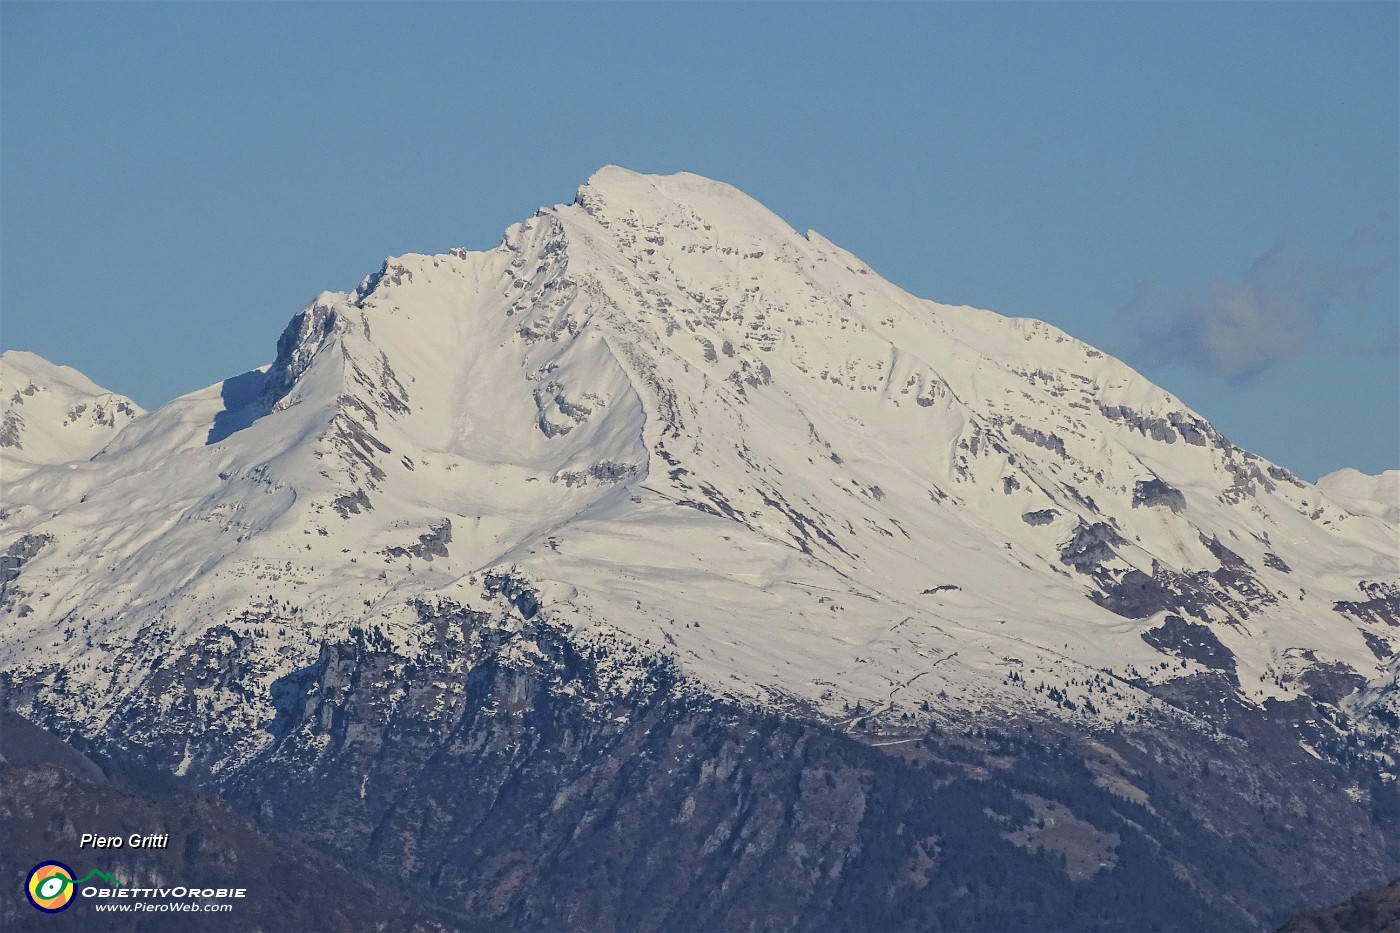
[1377,495]
[53,414]
[681,422]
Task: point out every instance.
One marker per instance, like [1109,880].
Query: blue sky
[1207,191]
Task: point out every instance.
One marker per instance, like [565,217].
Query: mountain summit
[685,440]
[53,414]
[686,425]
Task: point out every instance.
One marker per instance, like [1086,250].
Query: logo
[49,886]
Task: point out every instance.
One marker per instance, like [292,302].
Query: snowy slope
[1377,495]
[666,422]
[53,414]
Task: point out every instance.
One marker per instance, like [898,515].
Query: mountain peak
[661,403]
[624,185]
[681,197]
[657,447]
[1365,494]
[23,365]
[53,414]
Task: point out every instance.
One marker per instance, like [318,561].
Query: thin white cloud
[1244,328]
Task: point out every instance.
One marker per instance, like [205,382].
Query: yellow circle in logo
[49,886]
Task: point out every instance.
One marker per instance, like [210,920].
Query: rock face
[504,780]
[1373,911]
[763,593]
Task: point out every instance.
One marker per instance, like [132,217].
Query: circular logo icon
[49,886]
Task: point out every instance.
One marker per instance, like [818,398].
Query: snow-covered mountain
[681,423]
[53,414]
[1377,495]
[672,430]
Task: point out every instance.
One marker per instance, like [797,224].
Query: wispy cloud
[1246,327]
